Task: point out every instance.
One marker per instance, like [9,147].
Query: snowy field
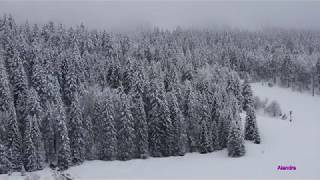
[283,143]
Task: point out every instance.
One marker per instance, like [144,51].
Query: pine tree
[205,136]
[108,134]
[29,149]
[204,139]
[287,69]
[178,123]
[140,128]
[235,141]
[251,128]
[62,141]
[138,112]
[70,77]
[114,75]
[36,114]
[14,142]
[192,116]
[13,136]
[160,125]
[76,131]
[18,80]
[125,135]
[5,164]
[48,133]
[247,95]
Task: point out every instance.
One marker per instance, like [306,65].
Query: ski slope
[284,143]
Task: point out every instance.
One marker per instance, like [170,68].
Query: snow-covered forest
[73,94]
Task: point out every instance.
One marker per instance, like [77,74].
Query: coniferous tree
[29,150]
[13,136]
[247,95]
[178,123]
[108,134]
[125,124]
[140,128]
[138,113]
[235,141]
[35,111]
[5,164]
[160,125]
[205,136]
[251,128]
[62,139]
[76,131]
[18,80]
[192,117]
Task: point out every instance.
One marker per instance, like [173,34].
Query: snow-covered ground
[283,143]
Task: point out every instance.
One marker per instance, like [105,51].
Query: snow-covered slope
[284,143]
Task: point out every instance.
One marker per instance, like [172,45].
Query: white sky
[129,14]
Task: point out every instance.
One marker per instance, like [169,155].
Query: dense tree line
[69,94]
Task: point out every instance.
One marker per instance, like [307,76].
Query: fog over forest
[127,15]
[84,85]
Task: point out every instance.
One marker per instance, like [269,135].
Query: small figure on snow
[290,112]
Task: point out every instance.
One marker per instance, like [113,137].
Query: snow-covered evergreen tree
[5,164]
[235,141]
[160,124]
[179,125]
[125,125]
[192,117]
[251,128]
[62,139]
[29,150]
[76,131]
[33,144]
[140,128]
[12,140]
[247,95]
[107,137]
[18,80]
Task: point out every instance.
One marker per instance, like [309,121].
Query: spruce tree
[192,116]
[76,131]
[108,134]
[5,164]
[235,144]
[204,138]
[35,112]
[29,150]
[179,126]
[251,128]
[62,139]
[12,140]
[18,80]
[140,128]
[160,125]
[235,141]
[125,124]
[247,95]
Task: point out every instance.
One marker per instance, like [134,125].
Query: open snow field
[283,143]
